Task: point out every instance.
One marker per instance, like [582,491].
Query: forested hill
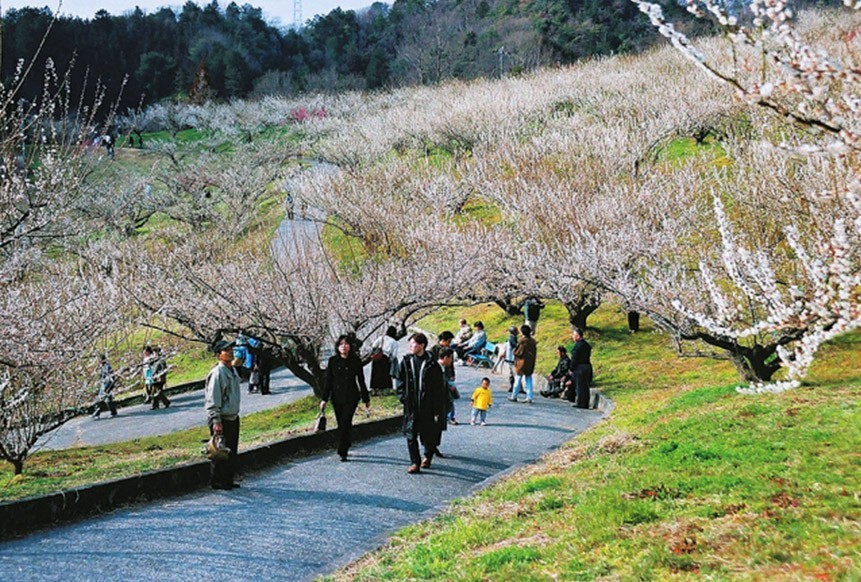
[236,53]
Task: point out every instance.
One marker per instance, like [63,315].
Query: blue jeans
[518,380]
[476,413]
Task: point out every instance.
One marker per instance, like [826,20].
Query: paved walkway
[301,519]
[186,411]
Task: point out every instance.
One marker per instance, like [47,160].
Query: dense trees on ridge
[410,42]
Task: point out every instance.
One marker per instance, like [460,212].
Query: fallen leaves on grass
[536,540]
[659,492]
[784,500]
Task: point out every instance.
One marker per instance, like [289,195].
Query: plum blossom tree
[53,306]
[775,67]
[291,294]
[48,367]
[223,190]
[42,166]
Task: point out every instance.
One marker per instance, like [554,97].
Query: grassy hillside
[685,478]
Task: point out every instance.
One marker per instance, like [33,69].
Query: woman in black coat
[345,385]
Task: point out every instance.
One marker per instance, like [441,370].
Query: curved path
[186,411]
[301,519]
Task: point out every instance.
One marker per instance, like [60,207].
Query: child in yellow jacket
[482,399]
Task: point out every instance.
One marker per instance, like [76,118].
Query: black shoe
[344,458]
[437,453]
[167,404]
[222,486]
[235,486]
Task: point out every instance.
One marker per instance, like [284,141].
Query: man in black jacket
[556,378]
[580,372]
[421,389]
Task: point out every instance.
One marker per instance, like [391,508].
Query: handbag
[377,354]
[320,425]
[455,394]
[216,450]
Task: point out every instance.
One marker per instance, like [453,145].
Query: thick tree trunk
[303,362]
[513,308]
[19,466]
[756,364]
[579,311]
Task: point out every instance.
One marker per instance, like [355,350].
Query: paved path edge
[25,515]
[605,406]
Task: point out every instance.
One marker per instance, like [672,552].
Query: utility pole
[297,14]
[502,53]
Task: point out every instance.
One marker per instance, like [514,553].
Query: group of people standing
[253,362]
[154,371]
[424,383]
[572,374]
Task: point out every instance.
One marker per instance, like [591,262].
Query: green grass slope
[685,478]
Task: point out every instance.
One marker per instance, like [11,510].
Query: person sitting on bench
[475,344]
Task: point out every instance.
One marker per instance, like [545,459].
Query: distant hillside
[210,52]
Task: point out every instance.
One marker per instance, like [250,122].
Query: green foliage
[165,53]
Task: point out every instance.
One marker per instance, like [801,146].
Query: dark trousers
[107,403]
[344,416]
[579,391]
[633,321]
[430,438]
[224,473]
[158,395]
[265,373]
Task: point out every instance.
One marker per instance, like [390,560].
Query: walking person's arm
[363,389]
[328,381]
[213,401]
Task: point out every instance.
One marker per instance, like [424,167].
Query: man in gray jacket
[222,413]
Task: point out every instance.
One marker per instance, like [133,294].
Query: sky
[280,10]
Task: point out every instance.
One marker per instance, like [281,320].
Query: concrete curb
[177,389]
[21,516]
